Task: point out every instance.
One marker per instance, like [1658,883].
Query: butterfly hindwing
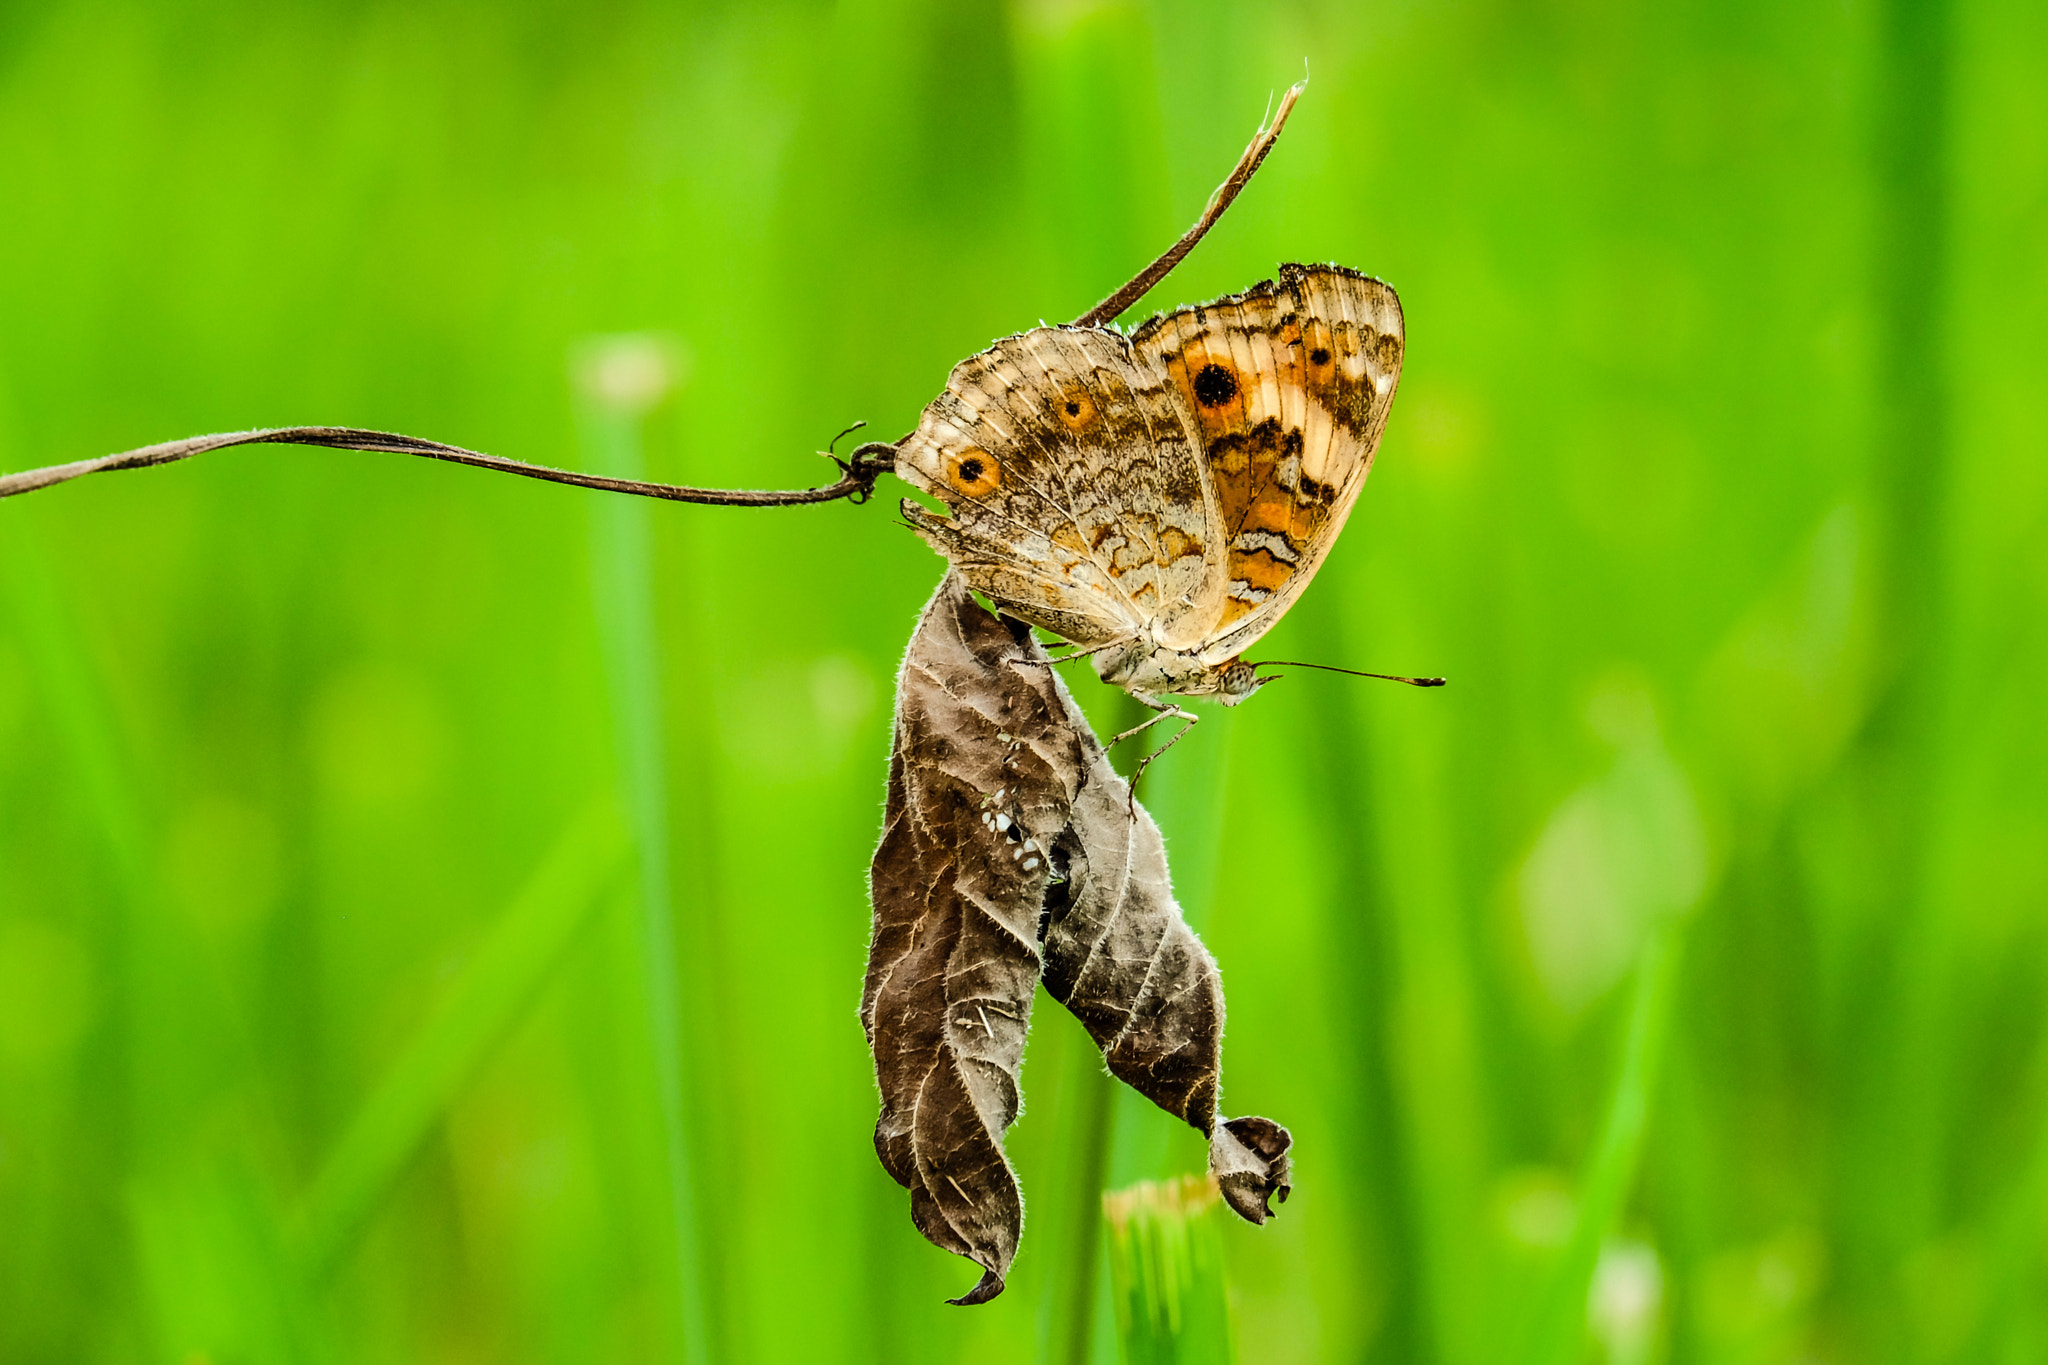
[1289,384]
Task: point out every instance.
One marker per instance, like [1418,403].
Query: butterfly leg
[1166,711]
[1080,653]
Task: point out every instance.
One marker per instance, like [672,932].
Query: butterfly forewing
[1290,383]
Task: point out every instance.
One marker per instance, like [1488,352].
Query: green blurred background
[432,905]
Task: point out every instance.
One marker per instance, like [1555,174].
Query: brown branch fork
[858,472]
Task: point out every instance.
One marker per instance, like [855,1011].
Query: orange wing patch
[1213,383]
[1316,349]
[1241,368]
[1288,384]
[1283,515]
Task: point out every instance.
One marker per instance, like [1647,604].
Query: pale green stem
[1559,1331]
[622,578]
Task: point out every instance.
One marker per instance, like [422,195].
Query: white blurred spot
[1625,1301]
[630,373]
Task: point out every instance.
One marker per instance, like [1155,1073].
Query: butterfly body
[1147,672]
[1159,499]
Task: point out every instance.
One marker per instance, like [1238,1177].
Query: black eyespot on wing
[973,472]
[1319,356]
[1073,409]
[1215,386]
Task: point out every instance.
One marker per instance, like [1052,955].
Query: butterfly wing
[1074,485]
[1289,384]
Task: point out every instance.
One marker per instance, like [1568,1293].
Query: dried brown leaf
[954,959]
[1119,955]
[1010,844]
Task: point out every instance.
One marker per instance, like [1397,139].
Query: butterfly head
[1145,668]
[1237,680]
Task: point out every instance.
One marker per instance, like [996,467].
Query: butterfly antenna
[1332,668]
[831,446]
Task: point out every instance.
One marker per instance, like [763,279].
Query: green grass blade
[1166,1268]
[85,719]
[224,1280]
[621,378]
[485,1002]
[1558,1333]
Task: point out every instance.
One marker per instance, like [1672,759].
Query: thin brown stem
[1247,166]
[857,473]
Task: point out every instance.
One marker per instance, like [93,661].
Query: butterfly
[1159,499]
